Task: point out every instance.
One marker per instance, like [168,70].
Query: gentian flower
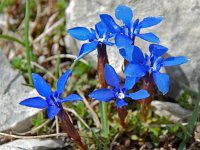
[117,92]
[131,28]
[48,99]
[94,37]
[126,49]
[152,64]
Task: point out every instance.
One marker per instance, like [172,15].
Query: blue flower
[94,37]
[117,93]
[48,99]
[141,65]
[131,28]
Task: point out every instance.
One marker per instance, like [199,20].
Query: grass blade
[27,43]
[191,124]
[12,39]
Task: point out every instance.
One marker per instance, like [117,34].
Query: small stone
[33,144]
[172,110]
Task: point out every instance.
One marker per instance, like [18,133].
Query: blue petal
[52,111]
[122,41]
[134,70]
[111,76]
[71,98]
[139,95]
[157,50]
[102,95]
[86,49]
[100,29]
[132,54]
[172,61]
[41,86]
[137,55]
[80,33]
[35,102]
[126,54]
[120,103]
[110,23]
[62,81]
[124,14]
[92,36]
[135,25]
[162,81]
[150,37]
[150,21]
[130,82]
[146,58]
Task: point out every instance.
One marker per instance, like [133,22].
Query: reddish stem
[148,85]
[102,60]
[122,113]
[68,127]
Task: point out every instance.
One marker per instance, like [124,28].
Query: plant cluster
[138,67]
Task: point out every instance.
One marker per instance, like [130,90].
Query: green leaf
[38,121]
[173,129]
[155,130]
[33,121]
[79,107]
[17,63]
[96,139]
[183,99]
[3,4]
[81,68]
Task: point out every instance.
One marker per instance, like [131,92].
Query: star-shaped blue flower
[131,28]
[94,37]
[141,65]
[48,99]
[117,93]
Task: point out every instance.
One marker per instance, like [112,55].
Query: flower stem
[148,85]
[27,44]
[104,119]
[102,60]
[68,127]
[122,113]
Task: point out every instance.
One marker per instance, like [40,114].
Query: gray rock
[180,32]
[12,92]
[33,144]
[172,110]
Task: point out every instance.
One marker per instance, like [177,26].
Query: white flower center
[121,95]
[154,67]
[102,39]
